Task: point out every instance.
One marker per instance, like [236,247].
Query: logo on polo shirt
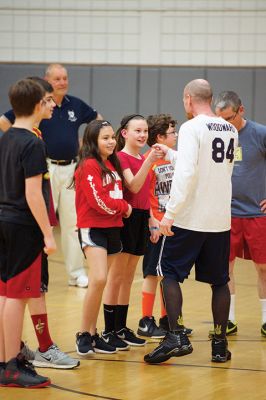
[71,116]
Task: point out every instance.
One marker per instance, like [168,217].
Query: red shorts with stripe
[21,259]
[248,239]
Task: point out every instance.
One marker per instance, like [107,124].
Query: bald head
[200,90]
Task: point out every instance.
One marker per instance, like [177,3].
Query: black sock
[220,309]
[109,317]
[173,300]
[121,317]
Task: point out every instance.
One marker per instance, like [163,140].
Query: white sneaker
[81,281]
[54,358]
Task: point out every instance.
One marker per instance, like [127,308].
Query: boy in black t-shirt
[25,231]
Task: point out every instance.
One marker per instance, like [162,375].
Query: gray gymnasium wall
[119,90]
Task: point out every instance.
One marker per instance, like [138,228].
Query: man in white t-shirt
[197,220]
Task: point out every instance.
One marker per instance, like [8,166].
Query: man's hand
[161,149]
[165,226]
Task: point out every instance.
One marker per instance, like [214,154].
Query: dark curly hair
[158,125]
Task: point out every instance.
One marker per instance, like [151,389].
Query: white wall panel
[144,32]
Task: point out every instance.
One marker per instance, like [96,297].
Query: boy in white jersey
[196,224]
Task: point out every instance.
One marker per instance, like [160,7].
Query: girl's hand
[155,154]
[128,213]
[161,149]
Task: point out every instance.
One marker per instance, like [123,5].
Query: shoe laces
[55,350]
[84,338]
[181,338]
[25,365]
[80,335]
[130,332]
[96,337]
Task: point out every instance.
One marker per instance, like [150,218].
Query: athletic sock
[220,309]
[147,304]
[173,300]
[121,316]
[109,317]
[232,308]
[263,310]
[40,323]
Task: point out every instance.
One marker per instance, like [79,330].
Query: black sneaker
[84,343]
[20,373]
[148,328]
[112,339]
[231,329]
[128,336]
[164,324]
[220,352]
[2,369]
[100,345]
[263,330]
[173,345]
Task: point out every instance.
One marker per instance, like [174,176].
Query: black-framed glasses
[232,117]
[172,133]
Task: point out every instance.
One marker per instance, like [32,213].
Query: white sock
[263,310]
[232,308]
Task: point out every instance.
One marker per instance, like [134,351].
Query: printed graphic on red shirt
[99,200]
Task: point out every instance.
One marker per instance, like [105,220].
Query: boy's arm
[5,124]
[35,200]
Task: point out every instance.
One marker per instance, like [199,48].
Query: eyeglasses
[172,133]
[232,117]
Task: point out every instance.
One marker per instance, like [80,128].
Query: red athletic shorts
[20,260]
[248,239]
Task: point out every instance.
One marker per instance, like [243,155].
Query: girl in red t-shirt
[100,207]
[131,137]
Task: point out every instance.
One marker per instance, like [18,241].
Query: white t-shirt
[200,197]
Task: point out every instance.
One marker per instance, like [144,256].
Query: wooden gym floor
[125,376]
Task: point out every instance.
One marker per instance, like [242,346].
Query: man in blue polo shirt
[60,134]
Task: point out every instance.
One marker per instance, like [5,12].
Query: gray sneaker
[54,358]
[27,352]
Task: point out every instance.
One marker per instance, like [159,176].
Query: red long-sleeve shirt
[99,202]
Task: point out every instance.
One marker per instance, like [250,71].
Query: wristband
[153,228]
